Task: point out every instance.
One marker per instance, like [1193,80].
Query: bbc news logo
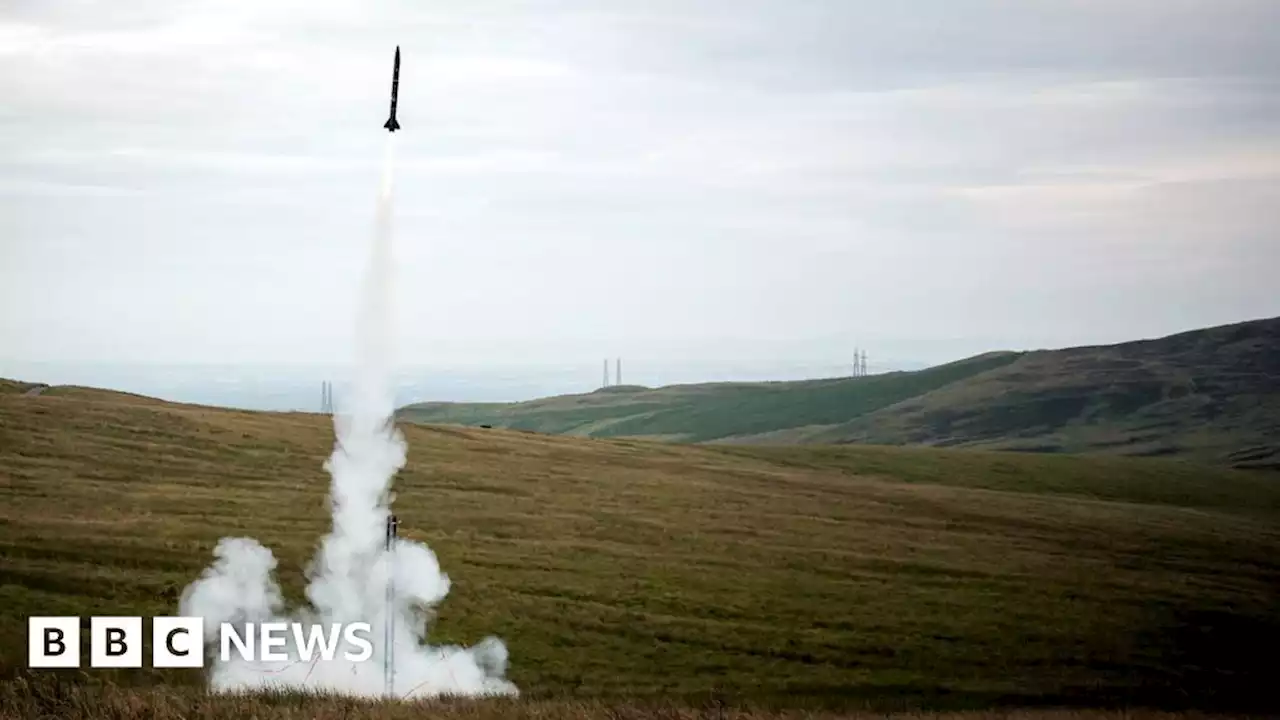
[179,642]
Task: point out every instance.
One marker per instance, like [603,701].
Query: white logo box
[115,642]
[179,642]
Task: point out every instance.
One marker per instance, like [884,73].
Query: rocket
[392,125]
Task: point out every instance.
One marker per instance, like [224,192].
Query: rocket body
[392,124]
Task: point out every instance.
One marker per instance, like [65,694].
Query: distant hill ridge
[1211,394]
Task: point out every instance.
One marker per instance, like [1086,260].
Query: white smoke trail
[348,577]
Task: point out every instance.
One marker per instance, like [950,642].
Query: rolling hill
[711,411]
[1211,395]
[621,571]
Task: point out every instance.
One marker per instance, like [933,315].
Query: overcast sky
[194,180]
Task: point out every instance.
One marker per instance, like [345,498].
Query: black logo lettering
[54,636]
[168,642]
[115,639]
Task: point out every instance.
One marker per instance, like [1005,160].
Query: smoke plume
[348,578]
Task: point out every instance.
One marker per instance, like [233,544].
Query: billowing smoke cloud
[348,579]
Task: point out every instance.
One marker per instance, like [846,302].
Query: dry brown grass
[624,569]
[41,699]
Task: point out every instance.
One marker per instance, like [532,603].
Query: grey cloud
[195,179]
[871,44]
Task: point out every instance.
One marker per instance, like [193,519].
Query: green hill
[1211,394]
[713,411]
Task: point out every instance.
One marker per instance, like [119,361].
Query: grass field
[45,698]
[623,572]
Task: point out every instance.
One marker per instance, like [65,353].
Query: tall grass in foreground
[49,697]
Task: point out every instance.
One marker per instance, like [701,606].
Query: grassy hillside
[1211,395]
[620,570]
[37,699]
[8,387]
[696,413]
